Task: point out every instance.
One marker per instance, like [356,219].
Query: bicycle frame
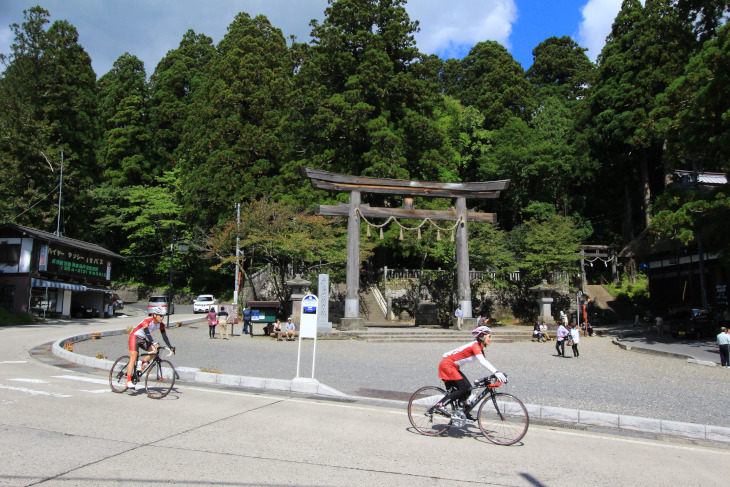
[489,387]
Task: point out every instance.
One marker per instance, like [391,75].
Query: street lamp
[180,247]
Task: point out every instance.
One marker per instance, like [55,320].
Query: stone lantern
[544,301]
[299,287]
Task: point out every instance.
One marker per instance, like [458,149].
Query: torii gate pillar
[352,319]
[463,292]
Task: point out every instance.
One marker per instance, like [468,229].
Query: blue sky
[148,29]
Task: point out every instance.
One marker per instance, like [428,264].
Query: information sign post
[308,327]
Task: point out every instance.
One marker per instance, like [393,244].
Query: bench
[269,331]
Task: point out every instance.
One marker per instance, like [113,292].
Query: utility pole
[236,283]
[60,190]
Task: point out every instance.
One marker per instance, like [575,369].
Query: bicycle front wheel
[423,413]
[118,374]
[160,379]
[503,419]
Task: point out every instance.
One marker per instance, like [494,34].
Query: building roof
[52,238]
[706,178]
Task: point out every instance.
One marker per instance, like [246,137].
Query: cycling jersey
[146,327]
[453,360]
[142,334]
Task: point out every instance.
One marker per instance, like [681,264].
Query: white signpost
[308,327]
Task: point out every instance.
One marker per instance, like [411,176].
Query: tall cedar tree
[125,149]
[560,68]
[47,105]
[175,79]
[695,109]
[646,50]
[366,106]
[491,80]
[231,147]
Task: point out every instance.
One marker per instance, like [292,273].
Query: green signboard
[77,263]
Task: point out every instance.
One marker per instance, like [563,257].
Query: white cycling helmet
[480,331]
[157,310]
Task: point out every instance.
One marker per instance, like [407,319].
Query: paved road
[605,378]
[62,427]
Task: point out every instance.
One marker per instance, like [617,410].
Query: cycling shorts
[135,343]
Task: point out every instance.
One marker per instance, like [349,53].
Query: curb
[545,413]
[662,353]
[301,385]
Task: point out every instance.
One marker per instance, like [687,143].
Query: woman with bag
[212,321]
[574,339]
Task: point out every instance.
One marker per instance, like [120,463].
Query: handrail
[379,299]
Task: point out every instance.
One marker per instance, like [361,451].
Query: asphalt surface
[605,378]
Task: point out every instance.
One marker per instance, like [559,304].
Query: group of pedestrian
[570,334]
[290,330]
[221,318]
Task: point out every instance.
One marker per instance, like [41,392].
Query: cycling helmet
[480,331]
[158,310]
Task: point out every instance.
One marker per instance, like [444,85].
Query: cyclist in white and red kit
[141,337]
[450,366]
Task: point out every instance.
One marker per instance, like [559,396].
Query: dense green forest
[147,155]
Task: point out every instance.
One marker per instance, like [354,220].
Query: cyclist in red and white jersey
[450,366]
[141,337]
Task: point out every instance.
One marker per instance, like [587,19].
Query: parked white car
[204,302]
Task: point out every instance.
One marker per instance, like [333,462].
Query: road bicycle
[501,417]
[159,374]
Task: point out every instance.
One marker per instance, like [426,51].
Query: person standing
[659,325]
[560,335]
[723,341]
[575,338]
[212,321]
[223,323]
[459,313]
[247,328]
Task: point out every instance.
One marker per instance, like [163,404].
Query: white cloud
[148,29]
[598,16]
[445,28]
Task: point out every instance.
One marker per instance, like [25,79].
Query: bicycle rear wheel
[118,374]
[160,379]
[503,419]
[423,414]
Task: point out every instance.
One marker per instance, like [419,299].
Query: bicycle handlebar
[487,381]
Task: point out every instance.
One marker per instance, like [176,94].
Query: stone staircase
[426,335]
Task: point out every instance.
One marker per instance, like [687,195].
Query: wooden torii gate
[356,185]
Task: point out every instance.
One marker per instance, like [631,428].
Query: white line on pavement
[34,392]
[14,362]
[35,381]
[97,391]
[82,379]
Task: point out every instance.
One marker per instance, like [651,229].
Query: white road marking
[35,381]
[14,362]
[97,391]
[34,392]
[82,379]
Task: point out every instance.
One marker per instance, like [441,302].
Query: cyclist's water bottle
[472,398]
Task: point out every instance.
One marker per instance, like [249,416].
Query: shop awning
[60,285]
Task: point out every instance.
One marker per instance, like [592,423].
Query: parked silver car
[162,302]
